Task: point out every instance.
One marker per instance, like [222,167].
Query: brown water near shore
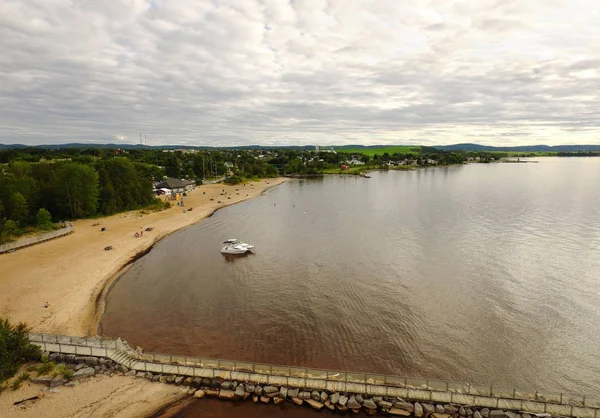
[481,273]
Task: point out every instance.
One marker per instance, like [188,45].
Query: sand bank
[70,272]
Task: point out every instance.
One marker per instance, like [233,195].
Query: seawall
[334,390]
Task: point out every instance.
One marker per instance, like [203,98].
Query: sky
[300,72]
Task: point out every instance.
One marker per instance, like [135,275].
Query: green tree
[76,186]
[43,218]
[15,348]
[18,208]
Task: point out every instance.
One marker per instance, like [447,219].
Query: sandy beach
[70,273]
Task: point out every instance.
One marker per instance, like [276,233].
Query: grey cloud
[247,72]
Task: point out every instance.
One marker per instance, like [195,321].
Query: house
[176,185]
[355,161]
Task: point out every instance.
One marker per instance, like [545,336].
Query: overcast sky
[213,72]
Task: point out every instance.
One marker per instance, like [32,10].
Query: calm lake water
[480,273]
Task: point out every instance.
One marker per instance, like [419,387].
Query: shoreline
[100,300]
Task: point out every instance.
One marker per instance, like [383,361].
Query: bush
[15,348]
[232,180]
[16,384]
[45,368]
[65,371]
[43,218]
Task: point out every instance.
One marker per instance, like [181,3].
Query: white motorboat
[233,246]
[234,241]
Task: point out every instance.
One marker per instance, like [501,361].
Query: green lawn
[370,151]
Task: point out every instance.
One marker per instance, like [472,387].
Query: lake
[485,273]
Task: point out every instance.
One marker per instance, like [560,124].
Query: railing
[408,387]
[26,242]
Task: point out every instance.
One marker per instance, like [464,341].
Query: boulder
[428,408]
[497,413]
[122,369]
[42,380]
[212,392]
[399,412]
[438,415]
[162,378]
[343,409]
[258,390]
[255,399]
[87,372]
[352,403]
[240,391]
[265,399]
[293,393]
[205,382]
[80,366]
[197,382]
[199,394]
[335,397]
[170,379]
[156,378]
[304,395]
[188,381]
[324,396]
[418,412]
[384,404]
[462,411]
[329,405]
[359,399]
[226,394]
[56,357]
[250,388]
[512,415]
[368,403]
[315,404]
[297,401]
[58,380]
[439,409]
[70,358]
[315,395]
[485,413]
[271,389]
[283,392]
[407,406]
[71,384]
[277,400]
[226,385]
[148,376]
[92,361]
[215,384]
[343,400]
[450,409]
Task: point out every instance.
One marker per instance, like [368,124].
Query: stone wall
[276,384]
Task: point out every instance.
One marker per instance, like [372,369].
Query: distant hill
[521,148]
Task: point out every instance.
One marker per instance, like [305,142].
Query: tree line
[33,195]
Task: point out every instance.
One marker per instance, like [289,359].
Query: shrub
[16,384]
[65,371]
[43,219]
[45,368]
[15,348]
[232,180]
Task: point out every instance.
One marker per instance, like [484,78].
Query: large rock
[407,406]
[352,403]
[240,391]
[297,401]
[418,412]
[258,390]
[270,389]
[335,397]
[250,388]
[196,382]
[324,396]
[450,409]
[428,408]
[384,404]
[359,399]
[304,395]
[293,393]
[399,412]
[485,413]
[315,396]
[170,378]
[226,385]
[368,403]
[212,392]
[179,380]
[87,372]
[343,400]
[226,394]
[265,399]
[437,415]
[277,400]
[283,392]
[148,376]
[343,409]
[497,413]
[439,409]
[462,411]
[329,405]
[315,404]
[199,394]
[512,415]
[42,380]
[58,380]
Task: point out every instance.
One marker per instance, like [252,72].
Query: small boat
[234,241]
[363,175]
[233,246]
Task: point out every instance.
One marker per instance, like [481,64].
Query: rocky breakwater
[67,369]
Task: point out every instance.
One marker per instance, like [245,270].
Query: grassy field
[370,151]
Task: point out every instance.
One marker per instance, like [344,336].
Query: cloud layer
[235,72]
